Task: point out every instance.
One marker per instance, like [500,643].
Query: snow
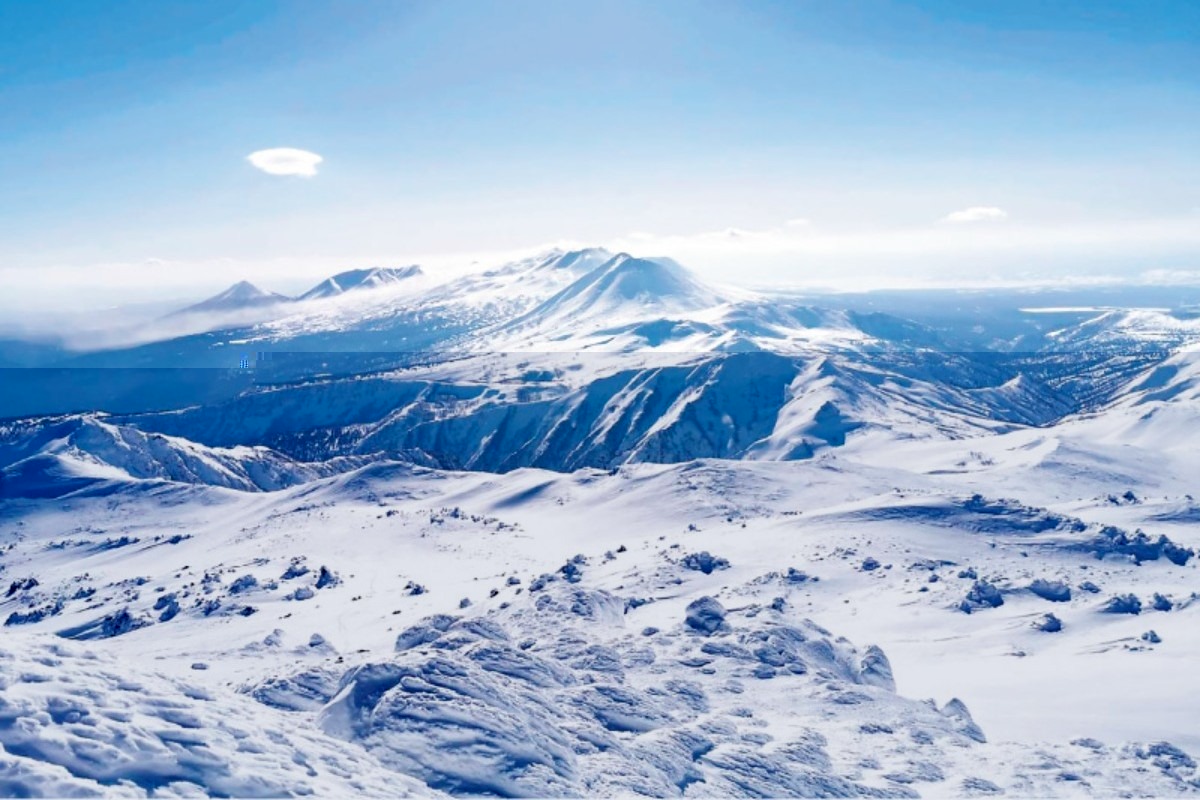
[239,297]
[359,280]
[463,534]
[88,453]
[79,723]
[617,533]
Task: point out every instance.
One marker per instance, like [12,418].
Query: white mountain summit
[242,295]
[359,280]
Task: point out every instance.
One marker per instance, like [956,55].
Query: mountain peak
[623,286]
[240,295]
[245,290]
[626,277]
[582,260]
[356,279]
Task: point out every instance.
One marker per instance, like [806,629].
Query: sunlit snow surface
[625,535]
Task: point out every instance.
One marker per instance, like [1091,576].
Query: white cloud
[977,214]
[286,161]
[798,222]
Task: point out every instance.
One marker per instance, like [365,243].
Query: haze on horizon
[167,149]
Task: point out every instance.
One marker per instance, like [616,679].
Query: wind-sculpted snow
[549,710]
[1040,526]
[78,723]
[556,697]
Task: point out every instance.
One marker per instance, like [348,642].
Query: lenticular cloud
[976,214]
[285,161]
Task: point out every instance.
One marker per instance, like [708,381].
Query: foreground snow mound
[74,723]
[554,697]
[533,704]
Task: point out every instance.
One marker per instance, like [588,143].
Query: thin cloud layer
[941,254]
[976,214]
[286,161]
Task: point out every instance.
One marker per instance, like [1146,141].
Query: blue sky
[790,142]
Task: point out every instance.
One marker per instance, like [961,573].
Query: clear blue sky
[1072,129]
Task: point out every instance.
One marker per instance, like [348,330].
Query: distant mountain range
[359,280]
[590,358]
[244,295]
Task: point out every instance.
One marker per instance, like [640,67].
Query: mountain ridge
[360,280]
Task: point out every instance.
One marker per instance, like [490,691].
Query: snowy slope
[585,525]
[622,288]
[658,630]
[1158,410]
[563,412]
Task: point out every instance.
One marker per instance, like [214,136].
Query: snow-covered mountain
[596,301]
[88,454]
[623,286]
[1158,410]
[1138,326]
[241,296]
[358,280]
[244,295]
[589,358]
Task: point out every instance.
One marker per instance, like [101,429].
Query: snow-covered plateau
[584,525]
